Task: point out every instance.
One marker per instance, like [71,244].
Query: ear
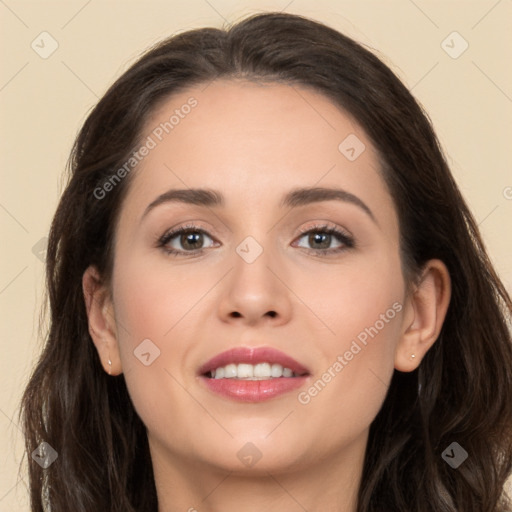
[101,319]
[424,315]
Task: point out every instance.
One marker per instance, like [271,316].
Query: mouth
[252,374]
[244,371]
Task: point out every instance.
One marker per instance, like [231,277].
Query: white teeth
[260,371]
[230,371]
[245,371]
[277,370]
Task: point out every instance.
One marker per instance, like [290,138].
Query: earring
[412,356]
[109,366]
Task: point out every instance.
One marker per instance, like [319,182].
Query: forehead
[255,141]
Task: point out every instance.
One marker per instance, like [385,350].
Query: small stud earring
[109,366]
[413,356]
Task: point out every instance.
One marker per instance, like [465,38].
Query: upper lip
[253,355]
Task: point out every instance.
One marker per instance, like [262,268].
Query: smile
[250,374]
[260,371]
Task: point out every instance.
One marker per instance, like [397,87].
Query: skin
[255,142]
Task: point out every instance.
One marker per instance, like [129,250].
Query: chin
[254,456]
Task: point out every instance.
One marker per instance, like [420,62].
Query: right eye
[189,237]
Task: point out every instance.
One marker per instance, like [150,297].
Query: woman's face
[253,277]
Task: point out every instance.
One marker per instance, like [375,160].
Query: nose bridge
[255,256]
[256,234]
[254,289]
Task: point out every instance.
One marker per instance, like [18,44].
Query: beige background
[44,102]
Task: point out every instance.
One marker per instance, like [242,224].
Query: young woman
[267,293]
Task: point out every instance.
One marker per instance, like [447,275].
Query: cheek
[363,311]
[355,301]
[151,298]
[151,318]
[345,396]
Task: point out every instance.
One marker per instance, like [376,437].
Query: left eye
[324,236]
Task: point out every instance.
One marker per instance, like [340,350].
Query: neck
[328,485]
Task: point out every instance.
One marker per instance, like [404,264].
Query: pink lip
[251,355]
[253,390]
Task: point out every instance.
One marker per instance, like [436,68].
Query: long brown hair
[462,390]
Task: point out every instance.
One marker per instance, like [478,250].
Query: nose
[256,291]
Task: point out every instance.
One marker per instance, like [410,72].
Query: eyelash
[347,241]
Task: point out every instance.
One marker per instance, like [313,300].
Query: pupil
[189,237]
[316,237]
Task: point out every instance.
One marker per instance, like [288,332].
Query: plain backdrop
[463,80]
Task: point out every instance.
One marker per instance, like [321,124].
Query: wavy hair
[461,391]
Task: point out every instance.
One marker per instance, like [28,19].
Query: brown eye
[191,240]
[187,239]
[320,238]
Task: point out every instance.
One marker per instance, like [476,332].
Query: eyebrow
[293,199]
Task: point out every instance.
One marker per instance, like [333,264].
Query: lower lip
[253,390]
